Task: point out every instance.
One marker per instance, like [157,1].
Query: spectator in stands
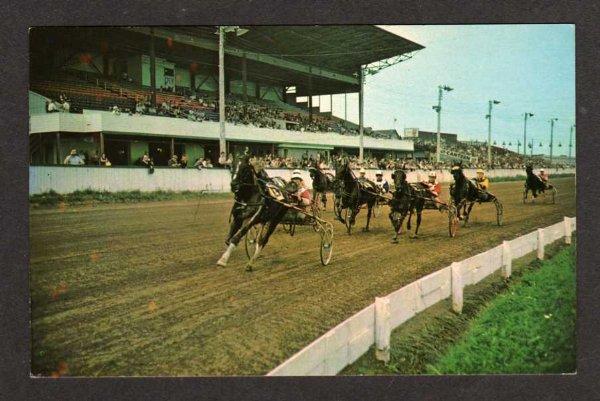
[115,110]
[199,163]
[51,106]
[229,161]
[222,160]
[73,159]
[173,161]
[184,160]
[103,161]
[206,163]
[94,160]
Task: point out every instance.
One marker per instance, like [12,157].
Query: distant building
[429,136]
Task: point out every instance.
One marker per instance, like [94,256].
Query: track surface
[134,290]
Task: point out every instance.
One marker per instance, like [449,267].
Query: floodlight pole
[527,115]
[222,142]
[360,115]
[489,117]
[439,123]
[552,137]
[571,140]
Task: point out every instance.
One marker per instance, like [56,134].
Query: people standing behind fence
[103,161]
[74,159]
[184,160]
[173,161]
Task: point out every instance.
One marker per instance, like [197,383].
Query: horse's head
[399,177]
[312,171]
[529,169]
[457,171]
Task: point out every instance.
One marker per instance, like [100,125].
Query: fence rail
[346,342]
[66,179]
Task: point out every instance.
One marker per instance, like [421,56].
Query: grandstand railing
[345,343]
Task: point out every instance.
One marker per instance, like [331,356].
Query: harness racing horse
[464,194]
[253,205]
[407,199]
[535,184]
[350,194]
[321,183]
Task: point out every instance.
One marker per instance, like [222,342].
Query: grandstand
[130,91]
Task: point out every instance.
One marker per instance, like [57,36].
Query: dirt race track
[134,289]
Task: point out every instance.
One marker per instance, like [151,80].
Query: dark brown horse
[351,193]
[408,199]
[257,200]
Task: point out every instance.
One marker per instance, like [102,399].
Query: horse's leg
[234,227]
[468,212]
[369,213]
[264,237]
[419,214]
[324,200]
[235,239]
[397,224]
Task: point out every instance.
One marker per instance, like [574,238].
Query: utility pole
[438,110]
[552,120]
[527,115]
[489,117]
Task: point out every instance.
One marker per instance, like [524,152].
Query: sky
[528,68]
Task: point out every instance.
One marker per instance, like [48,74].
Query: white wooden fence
[66,179]
[346,342]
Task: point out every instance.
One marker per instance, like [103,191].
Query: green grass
[522,177]
[530,329]
[88,196]
[418,344]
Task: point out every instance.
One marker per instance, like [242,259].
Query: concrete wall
[64,179]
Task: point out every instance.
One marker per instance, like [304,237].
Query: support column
[310,99]
[222,142]
[152,68]
[244,78]
[172,146]
[360,115]
[101,143]
[58,149]
[346,109]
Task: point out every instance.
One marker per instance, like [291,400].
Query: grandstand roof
[332,55]
[341,48]
[326,58]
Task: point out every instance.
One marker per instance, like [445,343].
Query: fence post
[568,230]
[506,259]
[382,329]
[457,287]
[540,243]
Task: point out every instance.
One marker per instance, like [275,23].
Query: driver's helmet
[362,171]
[480,172]
[297,174]
[432,176]
[542,170]
[379,172]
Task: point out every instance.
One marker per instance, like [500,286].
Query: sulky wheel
[525,191]
[251,239]
[499,211]
[452,221]
[326,250]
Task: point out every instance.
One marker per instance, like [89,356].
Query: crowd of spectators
[63,104]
